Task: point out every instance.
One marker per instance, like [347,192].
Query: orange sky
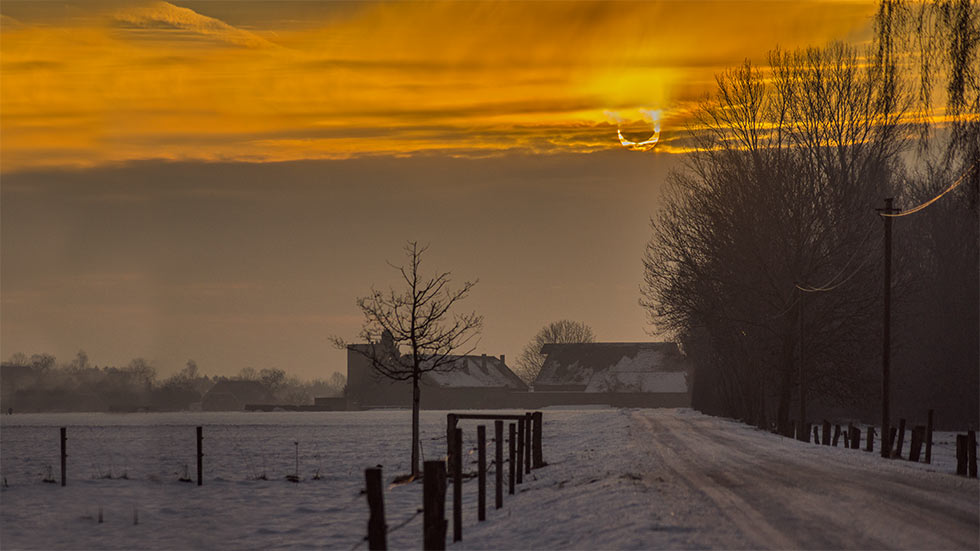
[96,82]
[142,214]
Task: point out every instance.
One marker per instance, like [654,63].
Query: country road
[689,481]
[797,500]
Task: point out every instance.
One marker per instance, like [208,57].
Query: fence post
[200,456]
[929,438]
[892,439]
[961,454]
[434,506]
[377,537]
[816,434]
[64,456]
[915,446]
[498,432]
[847,435]
[870,446]
[457,484]
[538,459]
[450,436]
[481,472]
[901,438]
[527,442]
[511,452]
[971,452]
[836,434]
[856,439]
[826,433]
[519,467]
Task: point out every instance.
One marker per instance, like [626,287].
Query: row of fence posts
[64,456]
[966,444]
[524,448]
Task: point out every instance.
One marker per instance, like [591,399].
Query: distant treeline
[39,383]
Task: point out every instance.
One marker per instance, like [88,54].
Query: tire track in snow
[783,498]
[936,516]
[751,522]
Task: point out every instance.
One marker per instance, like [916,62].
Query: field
[616,478]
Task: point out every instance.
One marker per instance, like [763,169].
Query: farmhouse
[473,382]
[627,374]
[233,395]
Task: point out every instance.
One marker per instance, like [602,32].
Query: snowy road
[783,497]
[676,479]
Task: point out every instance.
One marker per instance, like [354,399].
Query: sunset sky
[219,180]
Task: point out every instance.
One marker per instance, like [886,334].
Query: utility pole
[803,432]
[886,444]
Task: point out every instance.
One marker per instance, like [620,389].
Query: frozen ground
[623,479]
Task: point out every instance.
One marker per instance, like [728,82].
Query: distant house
[233,395]
[470,382]
[631,374]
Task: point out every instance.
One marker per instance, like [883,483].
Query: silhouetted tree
[557,332]
[780,190]
[419,316]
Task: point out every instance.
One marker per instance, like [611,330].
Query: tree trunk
[416,394]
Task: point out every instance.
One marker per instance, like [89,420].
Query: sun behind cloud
[88,84]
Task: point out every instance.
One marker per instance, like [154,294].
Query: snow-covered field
[616,478]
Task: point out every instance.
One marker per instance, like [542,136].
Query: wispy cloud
[161,81]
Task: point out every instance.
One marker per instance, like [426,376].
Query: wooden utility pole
[803,435]
[886,444]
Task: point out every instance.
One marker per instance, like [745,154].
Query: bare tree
[780,190]
[418,315]
[557,332]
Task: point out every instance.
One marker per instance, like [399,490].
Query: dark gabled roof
[251,392]
[476,371]
[614,366]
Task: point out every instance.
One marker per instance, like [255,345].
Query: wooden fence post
[498,431]
[520,451]
[892,438]
[450,436]
[434,506]
[870,446]
[961,454]
[538,458]
[511,452]
[64,456]
[856,438]
[826,433]
[901,438]
[457,484]
[836,434]
[527,442]
[481,472]
[915,446]
[200,456]
[816,434]
[971,453]
[377,529]
[929,438]
[847,435]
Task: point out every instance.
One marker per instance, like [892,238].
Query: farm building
[473,382]
[233,395]
[629,374]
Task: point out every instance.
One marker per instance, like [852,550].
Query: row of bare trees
[766,256]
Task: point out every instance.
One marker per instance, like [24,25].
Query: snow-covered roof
[614,367]
[476,371]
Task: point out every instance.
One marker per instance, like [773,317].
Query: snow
[638,374]
[617,479]
[470,372]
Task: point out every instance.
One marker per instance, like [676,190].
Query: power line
[825,288]
[832,283]
[934,199]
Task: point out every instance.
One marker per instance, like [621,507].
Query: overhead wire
[934,199]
